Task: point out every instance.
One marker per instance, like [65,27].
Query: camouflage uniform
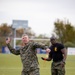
[28,57]
[57,69]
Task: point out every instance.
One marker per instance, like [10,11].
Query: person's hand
[8,40]
[48,50]
[62,64]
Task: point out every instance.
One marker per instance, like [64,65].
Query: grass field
[11,65]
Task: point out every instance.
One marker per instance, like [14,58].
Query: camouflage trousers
[57,69]
[32,72]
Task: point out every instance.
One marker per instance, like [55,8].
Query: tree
[64,31]
[4,30]
[19,32]
[59,29]
[27,31]
[69,44]
[30,32]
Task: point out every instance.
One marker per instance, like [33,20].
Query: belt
[57,61]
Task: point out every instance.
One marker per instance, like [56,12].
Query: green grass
[11,65]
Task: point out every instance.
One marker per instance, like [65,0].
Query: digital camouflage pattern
[57,69]
[32,72]
[28,56]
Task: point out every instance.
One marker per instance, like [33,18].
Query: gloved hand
[42,58]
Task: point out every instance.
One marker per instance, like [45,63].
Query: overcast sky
[41,14]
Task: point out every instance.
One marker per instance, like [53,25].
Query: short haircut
[53,38]
[24,35]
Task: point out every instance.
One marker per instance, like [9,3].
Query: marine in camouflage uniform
[58,54]
[28,57]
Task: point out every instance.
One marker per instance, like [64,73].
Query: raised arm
[12,50]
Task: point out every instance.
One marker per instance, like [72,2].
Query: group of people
[56,52]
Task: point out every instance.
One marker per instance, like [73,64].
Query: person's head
[53,40]
[25,38]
